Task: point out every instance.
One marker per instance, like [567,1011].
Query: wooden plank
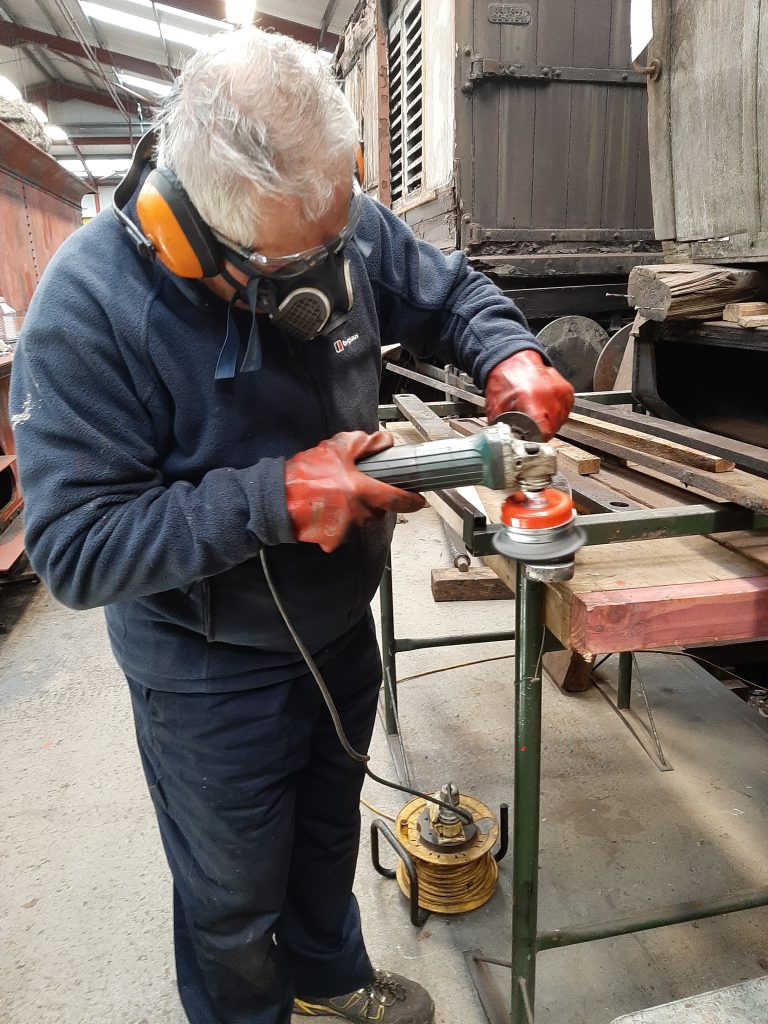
[679,615]
[713,98]
[659,133]
[485,125]
[737,312]
[576,459]
[517,114]
[762,127]
[746,456]
[752,322]
[646,442]
[554,48]
[742,488]
[570,671]
[687,291]
[589,102]
[476,584]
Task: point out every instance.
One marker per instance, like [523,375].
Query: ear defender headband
[170,228]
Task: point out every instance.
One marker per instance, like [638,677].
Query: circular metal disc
[407,831]
[574,344]
[609,360]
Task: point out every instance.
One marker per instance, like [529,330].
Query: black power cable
[363,759]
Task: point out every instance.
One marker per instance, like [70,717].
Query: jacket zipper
[205,586]
[315,390]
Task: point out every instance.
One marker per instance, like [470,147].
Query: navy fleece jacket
[150,487]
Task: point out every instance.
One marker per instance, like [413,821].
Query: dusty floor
[84,891]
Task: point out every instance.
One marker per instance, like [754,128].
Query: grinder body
[538,521]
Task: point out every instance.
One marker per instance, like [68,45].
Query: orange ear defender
[170,228]
[360,164]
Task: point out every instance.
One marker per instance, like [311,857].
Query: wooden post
[682,291]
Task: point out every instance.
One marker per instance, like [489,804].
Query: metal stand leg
[388,648]
[529,627]
[624,684]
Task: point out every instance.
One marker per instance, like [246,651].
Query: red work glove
[524,383]
[326,494]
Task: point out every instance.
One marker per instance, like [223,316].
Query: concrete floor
[85,894]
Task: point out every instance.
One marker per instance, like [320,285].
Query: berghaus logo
[341,343]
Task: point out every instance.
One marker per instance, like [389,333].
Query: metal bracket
[476,68]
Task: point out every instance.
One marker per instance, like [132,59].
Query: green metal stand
[529,627]
[388,657]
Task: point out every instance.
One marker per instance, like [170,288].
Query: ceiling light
[55,134]
[99,168]
[147,84]
[240,12]
[74,167]
[38,113]
[8,90]
[148,27]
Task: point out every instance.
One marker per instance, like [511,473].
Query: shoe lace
[384,985]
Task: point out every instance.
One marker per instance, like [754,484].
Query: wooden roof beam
[60,92]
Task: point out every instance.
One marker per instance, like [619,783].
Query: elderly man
[195,381]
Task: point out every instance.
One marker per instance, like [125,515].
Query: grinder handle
[432,466]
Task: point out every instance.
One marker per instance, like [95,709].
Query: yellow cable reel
[452,860]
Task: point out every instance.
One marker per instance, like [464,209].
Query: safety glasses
[300,262]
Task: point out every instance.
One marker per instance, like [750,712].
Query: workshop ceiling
[96,67]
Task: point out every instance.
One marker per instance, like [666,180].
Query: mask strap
[252,358]
[226,365]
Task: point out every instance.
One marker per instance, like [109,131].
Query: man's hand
[326,493]
[524,383]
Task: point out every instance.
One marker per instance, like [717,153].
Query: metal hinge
[478,69]
[472,234]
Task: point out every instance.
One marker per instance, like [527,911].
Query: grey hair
[256,115]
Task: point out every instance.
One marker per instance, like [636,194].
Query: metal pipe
[386,599]
[529,626]
[406,644]
[624,682]
[676,913]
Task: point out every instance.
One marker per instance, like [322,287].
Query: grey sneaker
[389,999]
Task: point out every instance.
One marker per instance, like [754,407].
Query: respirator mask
[304,306]
[306,294]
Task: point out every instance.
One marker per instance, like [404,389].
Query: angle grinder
[539,520]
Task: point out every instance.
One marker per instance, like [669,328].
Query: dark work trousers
[258,810]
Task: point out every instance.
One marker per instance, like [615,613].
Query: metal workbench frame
[531,641]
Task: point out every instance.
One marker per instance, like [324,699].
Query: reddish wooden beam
[102,140]
[12,35]
[678,615]
[63,91]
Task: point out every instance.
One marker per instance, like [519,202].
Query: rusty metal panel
[10,492]
[18,273]
[39,208]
